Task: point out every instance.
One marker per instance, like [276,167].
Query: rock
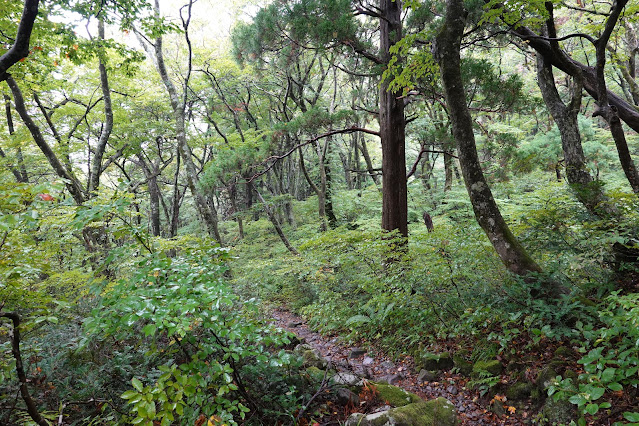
[426,376]
[316,374]
[395,396]
[497,407]
[563,352]
[347,397]
[558,412]
[545,377]
[519,391]
[492,367]
[347,379]
[392,379]
[464,366]
[387,365]
[368,361]
[437,412]
[452,390]
[310,356]
[437,362]
[357,352]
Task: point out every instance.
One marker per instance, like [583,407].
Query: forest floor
[374,365]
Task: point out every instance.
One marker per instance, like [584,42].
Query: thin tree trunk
[321,205]
[32,408]
[276,224]
[205,205]
[447,52]
[73,185]
[19,170]
[369,163]
[96,167]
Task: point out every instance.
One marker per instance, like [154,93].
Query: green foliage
[611,359]
[199,334]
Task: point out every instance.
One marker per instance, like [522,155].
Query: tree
[447,49]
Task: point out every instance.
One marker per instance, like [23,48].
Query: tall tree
[447,49]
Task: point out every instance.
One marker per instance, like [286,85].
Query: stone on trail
[396,396]
[347,379]
[357,352]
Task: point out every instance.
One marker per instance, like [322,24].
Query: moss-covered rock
[519,391]
[316,374]
[437,412]
[395,396]
[563,351]
[434,362]
[461,362]
[492,367]
[310,356]
[558,412]
[545,376]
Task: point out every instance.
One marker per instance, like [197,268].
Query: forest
[319,212]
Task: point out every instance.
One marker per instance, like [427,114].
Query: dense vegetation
[418,178]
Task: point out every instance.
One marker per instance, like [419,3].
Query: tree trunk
[276,224]
[447,52]
[587,191]
[204,204]
[392,126]
[96,167]
[321,205]
[73,185]
[19,170]
[369,162]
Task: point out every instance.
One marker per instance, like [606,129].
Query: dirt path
[472,409]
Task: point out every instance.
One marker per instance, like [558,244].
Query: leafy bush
[198,334]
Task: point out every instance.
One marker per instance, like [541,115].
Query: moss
[558,412]
[519,391]
[545,377]
[315,374]
[464,366]
[434,362]
[437,412]
[493,367]
[395,396]
[563,351]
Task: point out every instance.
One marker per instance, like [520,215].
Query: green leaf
[631,416]
[149,329]
[592,409]
[615,387]
[129,394]
[137,384]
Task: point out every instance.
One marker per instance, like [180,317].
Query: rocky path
[472,409]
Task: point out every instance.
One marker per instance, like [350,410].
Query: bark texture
[392,126]
[447,52]
[588,191]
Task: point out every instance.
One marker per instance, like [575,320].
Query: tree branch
[20,48]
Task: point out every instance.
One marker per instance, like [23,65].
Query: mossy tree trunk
[447,52]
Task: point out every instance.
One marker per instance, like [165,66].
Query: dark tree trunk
[447,52]
[392,126]
[19,170]
[369,162]
[448,170]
